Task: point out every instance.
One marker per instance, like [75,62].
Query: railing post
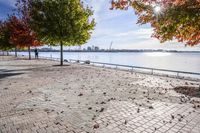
[177,74]
[132,70]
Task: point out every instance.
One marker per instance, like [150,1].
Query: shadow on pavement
[188,90]
[4,75]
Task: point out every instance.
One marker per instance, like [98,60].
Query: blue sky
[115,26]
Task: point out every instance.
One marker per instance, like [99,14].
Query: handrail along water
[138,67]
[127,66]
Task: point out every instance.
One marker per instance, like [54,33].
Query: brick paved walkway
[38,97]
[163,117]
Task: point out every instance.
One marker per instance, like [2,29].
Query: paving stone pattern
[37,97]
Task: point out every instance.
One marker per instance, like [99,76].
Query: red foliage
[21,34]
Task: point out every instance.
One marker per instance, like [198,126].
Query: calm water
[174,61]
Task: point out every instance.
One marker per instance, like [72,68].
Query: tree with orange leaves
[16,31]
[21,35]
[170,19]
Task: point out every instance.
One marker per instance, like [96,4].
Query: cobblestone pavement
[37,97]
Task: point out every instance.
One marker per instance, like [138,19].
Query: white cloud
[97,6]
[140,33]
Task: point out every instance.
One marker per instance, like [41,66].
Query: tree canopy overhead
[170,19]
[64,22]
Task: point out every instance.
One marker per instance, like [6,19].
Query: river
[164,60]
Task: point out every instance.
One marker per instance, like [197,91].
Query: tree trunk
[15,51]
[61,53]
[29,52]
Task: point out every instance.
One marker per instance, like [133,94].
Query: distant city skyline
[115,26]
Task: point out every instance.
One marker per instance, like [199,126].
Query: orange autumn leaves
[178,19]
[15,31]
[124,3]
[21,34]
[120,4]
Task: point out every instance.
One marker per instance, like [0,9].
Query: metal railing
[133,68]
[153,71]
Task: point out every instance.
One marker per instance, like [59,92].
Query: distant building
[92,47]
[89,49]
[96,48]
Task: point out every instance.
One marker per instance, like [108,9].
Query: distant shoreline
[117,51]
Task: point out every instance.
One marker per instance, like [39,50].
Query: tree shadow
[22,70]
[5,70]
[60,65]
[188,90]
[8,73]
[5,75]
